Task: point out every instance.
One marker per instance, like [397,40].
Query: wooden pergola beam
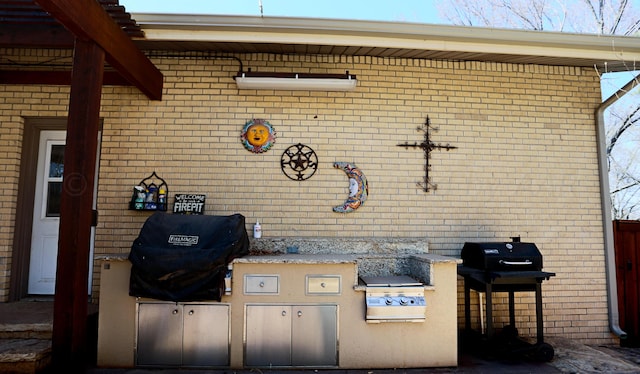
[87,20]
[69,337]
[97,39]
[41,77]
[37,37]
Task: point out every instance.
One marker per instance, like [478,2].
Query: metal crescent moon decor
[358,187]
[258,135]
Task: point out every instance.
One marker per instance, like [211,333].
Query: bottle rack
[150,194]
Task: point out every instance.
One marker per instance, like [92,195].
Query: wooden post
[69,341]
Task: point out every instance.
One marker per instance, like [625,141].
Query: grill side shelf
[524,277]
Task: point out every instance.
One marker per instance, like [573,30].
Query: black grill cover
[184,257]
[502,256]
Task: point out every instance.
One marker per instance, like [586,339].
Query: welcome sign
[189,204]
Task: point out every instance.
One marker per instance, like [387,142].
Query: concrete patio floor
[569,357]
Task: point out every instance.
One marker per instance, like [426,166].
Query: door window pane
[54,180]
[54,191]
[56,166]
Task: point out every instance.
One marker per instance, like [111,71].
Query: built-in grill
[394,299]
[505,267]
[178,257]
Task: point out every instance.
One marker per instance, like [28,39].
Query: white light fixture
[295,81]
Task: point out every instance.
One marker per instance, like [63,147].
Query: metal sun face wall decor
[258,135]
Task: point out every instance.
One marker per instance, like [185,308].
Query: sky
[414,11]
[418,11]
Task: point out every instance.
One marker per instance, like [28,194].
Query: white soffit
[246,29]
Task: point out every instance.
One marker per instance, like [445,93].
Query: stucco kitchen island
[284,310]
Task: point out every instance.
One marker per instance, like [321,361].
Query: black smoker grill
[505,267]
[180,257]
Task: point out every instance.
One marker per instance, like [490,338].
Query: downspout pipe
[607,221]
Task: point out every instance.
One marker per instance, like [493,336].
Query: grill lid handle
[517,263]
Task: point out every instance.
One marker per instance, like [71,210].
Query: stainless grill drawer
[261,284]
[323,285]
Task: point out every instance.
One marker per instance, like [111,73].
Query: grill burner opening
[390,281]
[394,299]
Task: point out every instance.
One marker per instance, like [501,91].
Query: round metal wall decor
[258,135]
[299,162]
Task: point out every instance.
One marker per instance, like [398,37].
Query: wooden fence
[627,249]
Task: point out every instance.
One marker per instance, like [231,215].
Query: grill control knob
[403,301]
[388,301]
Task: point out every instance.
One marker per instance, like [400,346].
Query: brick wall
[525,163]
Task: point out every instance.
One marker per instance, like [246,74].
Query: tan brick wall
[525,163]
[10,134]
[16,103]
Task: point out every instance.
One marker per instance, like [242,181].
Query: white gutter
[607,221]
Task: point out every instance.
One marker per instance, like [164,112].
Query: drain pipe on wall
[607,221]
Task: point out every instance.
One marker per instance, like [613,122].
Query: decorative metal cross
[427,146]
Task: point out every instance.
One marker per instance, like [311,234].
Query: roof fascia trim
[393,30]
[569,51]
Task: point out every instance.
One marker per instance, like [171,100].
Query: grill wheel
[544,352]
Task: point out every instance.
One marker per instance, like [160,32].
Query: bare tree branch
[627,123]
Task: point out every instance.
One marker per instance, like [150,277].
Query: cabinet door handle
[299,313]
[284,313]
[191,312]
[175,311]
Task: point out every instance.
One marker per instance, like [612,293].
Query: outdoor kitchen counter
[430,343]
[417,266]
[297,259]
[338,258]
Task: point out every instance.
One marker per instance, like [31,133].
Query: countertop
[310,258]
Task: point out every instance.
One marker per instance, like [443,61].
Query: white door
[46,215]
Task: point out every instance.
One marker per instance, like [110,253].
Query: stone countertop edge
[340,258]
[112,257]
[433,258]
[297,259]
[264,259]
[308,259]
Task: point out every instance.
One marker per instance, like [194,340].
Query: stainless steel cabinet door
[206,335]
[187,335]
[291,335]
[314,335]
[268,335]
[159,334]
